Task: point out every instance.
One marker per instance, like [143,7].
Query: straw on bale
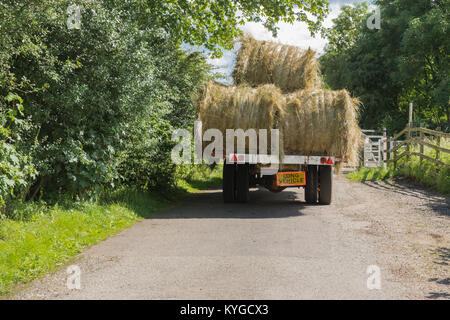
[311,122]
[321,122]
[240,107]
[288,67]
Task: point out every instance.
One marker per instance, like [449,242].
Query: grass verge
[370,174]
[426,174]
[201,178]
[36,238]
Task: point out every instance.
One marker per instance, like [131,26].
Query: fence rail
[392,155]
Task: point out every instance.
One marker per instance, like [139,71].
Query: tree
[424,64]
[216,23]
[407,60]
[342,37]
[347,27]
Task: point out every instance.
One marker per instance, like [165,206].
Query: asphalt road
[275,247]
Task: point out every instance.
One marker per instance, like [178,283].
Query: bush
[16,169]
[99,102]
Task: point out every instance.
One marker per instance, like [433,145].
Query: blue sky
[294,34]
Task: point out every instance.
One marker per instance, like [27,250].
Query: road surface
[274,247]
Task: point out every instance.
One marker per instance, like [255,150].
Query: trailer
[244,171]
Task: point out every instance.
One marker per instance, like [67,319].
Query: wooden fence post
[410,119]
[408,143]
[438,143]
[385,154]
[421,143]
[395,155]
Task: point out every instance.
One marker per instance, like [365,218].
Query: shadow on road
[262,204]
[438,203]
[442,259]
[438,295]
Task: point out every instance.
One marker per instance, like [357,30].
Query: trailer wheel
[325,184]
[311,184]
[229,182]
[242,183]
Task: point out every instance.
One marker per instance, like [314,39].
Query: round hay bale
[241,107]
[265,62]
[321,122]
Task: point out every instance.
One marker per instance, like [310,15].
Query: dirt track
[275,247]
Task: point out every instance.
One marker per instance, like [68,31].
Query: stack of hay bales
[279,87]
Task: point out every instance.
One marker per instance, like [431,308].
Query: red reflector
[323,160]
[329,161]
[234,158]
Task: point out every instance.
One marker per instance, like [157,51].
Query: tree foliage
[407,60]
[214,23]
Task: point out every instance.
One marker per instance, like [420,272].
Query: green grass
[37,238]
[370,174]
[426,173]
[201,178]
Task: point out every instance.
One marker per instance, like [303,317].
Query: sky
[294,34]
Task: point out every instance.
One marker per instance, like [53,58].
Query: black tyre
[229,182]
[242,183]
[325,184]
[311,184]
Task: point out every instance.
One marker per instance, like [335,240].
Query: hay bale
[240,107]
[265,62]
[311,122]
[321,122]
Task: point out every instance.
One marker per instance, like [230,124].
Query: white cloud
[296,34]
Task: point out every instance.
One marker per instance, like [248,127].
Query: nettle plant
[16,169]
